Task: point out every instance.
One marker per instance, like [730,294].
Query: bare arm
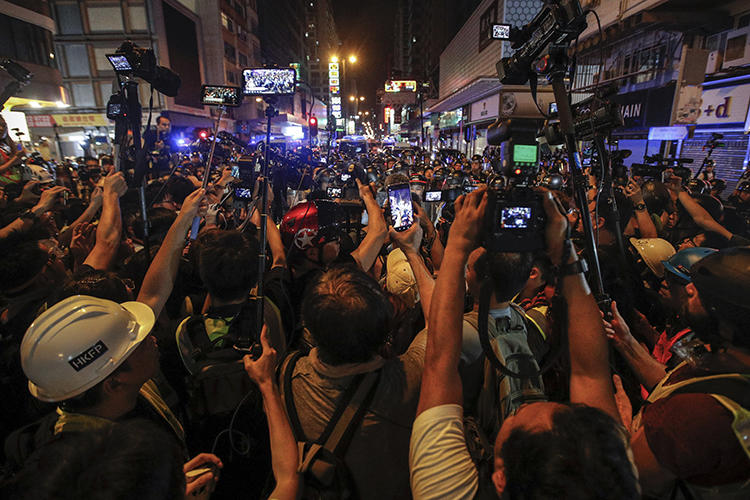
[431,235]
[649,371]
[409,242]
[95,203]
[441,382]
[284,457]
[645,223]
[701,216]
[159,279]
[590,381]
[46,202]
[368,250]
[109,230]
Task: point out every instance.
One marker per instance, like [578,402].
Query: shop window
[105,18]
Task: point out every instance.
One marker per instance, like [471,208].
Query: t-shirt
[439,462]
[691,436]
[378,454]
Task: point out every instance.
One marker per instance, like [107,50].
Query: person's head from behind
[508,272]
[101,284]
[718,308]
[178,188]
[132,459]
[90,355]
[227,263]
[551,451]
[29,264]
[347,314]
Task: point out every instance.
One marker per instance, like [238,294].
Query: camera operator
[708,173]
[158,143]
[583,442]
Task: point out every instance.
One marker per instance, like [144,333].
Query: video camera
[655,165]
[130,59]
[558,23]
[596,115]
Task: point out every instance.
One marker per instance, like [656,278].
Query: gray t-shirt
[378,455]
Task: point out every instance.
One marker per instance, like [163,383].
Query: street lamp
[352,98]
[334,59]
[352,59]
[362,98]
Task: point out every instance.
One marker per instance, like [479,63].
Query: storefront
[482,114]
[724,110]
[642,110]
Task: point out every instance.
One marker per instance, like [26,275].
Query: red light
[313,121]
[517,171]
[203,134]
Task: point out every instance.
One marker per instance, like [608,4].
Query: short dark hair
[97,283]
[162,117]
[348,315]
[22,259]
[228,264]
[583,456]
[179,188]
[509,271]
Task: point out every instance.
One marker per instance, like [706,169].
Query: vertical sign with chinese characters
[334,89]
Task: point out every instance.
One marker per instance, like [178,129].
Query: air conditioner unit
[737,51]
[714,62]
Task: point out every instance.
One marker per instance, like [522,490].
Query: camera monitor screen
[119,62]
[524,153]
[221,95]
[335,192]
[243,193]
[402,211]
[268,81]
[515,217]
[501,31]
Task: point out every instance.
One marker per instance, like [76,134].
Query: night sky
[365,28]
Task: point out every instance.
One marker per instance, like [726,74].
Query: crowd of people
[147,362]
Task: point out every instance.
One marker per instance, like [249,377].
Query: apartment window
[69,19]
[229,52]
[106,91]
[485,25]
[226,21]
[230,77]
[25,42]
[77,58]
[83,95]
[105,19]
[242,60]
[100,58]
[137,18]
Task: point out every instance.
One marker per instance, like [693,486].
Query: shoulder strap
[287,370]
[731,385]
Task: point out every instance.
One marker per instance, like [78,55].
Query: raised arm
[409,242]
[95,203]
[367,251]
[590,381]
[645,223]
[441,382]
[109,230]
[159,279]
[46,202]
[284,458]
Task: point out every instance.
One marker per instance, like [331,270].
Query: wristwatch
[577,267]
[28,215]
[640,206]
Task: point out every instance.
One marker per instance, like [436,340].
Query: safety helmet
[653,251]
[697,186]
[80,341]
[711,204]
[681,262]
[718,185]
[553,181]
[743,186]
[723,281]
[309,224]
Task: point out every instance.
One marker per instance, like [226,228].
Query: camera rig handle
[207,173]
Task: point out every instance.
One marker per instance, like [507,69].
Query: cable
[601,45]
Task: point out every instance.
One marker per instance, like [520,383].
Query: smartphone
[243,193]
[433,196]
[334,192]
[402,211]
[235,171]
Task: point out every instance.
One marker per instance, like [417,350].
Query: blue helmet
[681,262]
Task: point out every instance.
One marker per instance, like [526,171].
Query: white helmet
[400,278]
[653,251]
[79,342]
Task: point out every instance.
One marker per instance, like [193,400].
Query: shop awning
[478,88]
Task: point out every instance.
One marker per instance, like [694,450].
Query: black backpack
[217,380]
[325,475]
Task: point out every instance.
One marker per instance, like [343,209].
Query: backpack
[217,380]
[502,393]
[325,474]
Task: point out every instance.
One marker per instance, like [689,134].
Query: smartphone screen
[243,193]
[334,192]
[235,171]
[399,200]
